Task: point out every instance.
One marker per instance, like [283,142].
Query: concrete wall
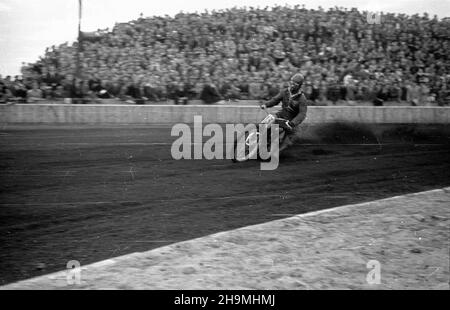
[142,114]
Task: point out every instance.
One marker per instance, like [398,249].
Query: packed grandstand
[248,53]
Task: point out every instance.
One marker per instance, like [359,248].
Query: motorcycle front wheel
[245,146]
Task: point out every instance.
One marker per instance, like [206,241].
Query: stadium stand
[248,53]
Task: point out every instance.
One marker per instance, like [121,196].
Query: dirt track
[88,194]
[395,243]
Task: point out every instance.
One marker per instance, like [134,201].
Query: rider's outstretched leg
[287,141]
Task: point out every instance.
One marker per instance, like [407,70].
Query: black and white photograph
[224,151]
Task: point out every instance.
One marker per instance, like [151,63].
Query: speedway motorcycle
[252,139]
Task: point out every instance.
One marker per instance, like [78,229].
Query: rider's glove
[288,125]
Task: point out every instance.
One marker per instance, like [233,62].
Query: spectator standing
[5,94]
[209,93]
[35,94]
[334,91]
[413,93]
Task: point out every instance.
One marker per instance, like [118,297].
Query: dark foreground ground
[88,194]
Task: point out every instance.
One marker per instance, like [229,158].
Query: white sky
[27,27]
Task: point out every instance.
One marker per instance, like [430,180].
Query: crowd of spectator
[249,53]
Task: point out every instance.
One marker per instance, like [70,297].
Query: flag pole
[80,12]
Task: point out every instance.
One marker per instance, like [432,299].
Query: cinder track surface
[85,193]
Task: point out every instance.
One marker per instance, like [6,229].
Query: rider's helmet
[298,79]
[296,82]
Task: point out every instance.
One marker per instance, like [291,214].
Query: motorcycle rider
[293,108]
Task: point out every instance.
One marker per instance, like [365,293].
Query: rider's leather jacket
[294,106]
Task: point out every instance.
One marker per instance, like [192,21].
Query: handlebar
[267,112]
